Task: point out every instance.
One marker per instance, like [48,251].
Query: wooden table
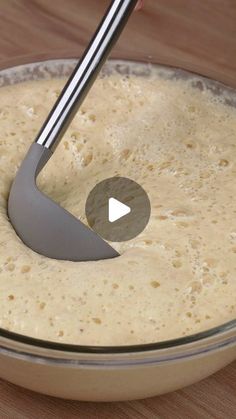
[198,35]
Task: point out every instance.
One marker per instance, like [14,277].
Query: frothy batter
[175,279]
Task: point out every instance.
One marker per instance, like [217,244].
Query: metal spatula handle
[85,73]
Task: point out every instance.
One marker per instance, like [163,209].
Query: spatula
[42,224]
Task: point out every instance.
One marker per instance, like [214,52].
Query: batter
[175,279]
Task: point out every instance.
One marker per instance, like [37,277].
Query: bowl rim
[29,341]
[200,337]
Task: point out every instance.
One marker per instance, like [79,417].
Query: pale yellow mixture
[179,276]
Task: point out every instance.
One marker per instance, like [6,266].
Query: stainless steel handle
[85,73]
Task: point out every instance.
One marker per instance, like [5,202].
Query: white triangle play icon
[117,210]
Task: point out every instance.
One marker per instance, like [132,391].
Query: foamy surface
[175,279]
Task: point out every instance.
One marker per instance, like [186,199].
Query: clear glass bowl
[113,373]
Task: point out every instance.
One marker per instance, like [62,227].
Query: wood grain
[197,35]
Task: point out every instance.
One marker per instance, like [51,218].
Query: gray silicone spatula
[42,224]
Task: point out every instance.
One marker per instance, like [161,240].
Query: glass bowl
[113,373]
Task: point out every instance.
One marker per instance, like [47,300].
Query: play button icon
[118,209]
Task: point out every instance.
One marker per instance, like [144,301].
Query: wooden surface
[197,35]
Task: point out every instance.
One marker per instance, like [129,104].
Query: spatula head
[42,224]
